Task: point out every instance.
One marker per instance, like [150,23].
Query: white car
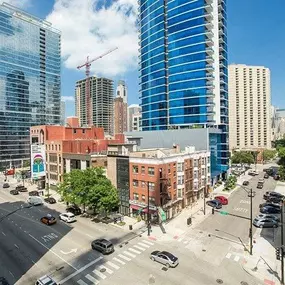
[35,200]
[67,217]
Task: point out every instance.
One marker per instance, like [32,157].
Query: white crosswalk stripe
[236,258]
[180,239]
[130,254]
[144,245]
[98,273]
[135,251]
[92,279]
[113,265]
[147,242]
[81,282]
[139,247]
[118,260]
[106,268]
[228,255]
[124,257]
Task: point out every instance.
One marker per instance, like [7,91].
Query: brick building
[71,147]
[175,179]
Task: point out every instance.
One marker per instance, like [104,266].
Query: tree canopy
[242,157]
[269,154]
[89,187]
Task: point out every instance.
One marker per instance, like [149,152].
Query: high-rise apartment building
[62,113]
[30,65]
[121,109]
[102,96]
[249,107]
[183,67]
[134,118]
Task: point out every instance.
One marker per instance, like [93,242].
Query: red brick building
[70,147]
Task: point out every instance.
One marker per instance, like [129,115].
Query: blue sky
[255,37]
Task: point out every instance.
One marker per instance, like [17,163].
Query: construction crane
[87,66]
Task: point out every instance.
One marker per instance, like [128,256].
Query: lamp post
[148,214]
[250,194]
[282,243]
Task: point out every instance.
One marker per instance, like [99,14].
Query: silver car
[265,223]
[102,245]
[268,216]
[164,257]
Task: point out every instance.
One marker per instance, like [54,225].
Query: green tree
[242,157]
[27,163]
[269,154]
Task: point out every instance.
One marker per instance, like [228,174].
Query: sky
[92,27]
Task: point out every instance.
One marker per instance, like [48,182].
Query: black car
[34,193]
[269,205]
[215,204]
[270,210]
[259,185]
[245,183]
[14,192]
[273,199]
[6,185]
[272,194]
[74,209]
[50,200]
[21,188]
[3,281]
[266,176]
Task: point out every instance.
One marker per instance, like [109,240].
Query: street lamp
[250,194]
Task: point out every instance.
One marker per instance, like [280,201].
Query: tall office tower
[102,95]
[183,67]
[30,65]
[249,107]
[62,113]
[121,109]
[134,118]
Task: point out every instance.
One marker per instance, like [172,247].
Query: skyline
[250,40]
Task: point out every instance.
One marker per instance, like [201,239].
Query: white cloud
[90,31]
[18,3]
[67,98]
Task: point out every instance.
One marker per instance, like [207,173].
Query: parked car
[50,200]
[265,223]
[266,176]
[214,203]
[74,209]
[272,194]
[259,185]
[261,180]
[67,217]
[270,210]
[21,188]
[253,172]
[245,183]
[34,193]
[276,177]
[102,245]
[268,216]
[14,192]
[269,204]
[48,220]
[6,185]
[222,199]
[164,257]
[35,201]
[46,280]
[274,199]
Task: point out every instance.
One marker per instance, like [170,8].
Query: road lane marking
[92,279]
[3,233]
[144,245]
[135,251]
[130,254]
[106,269]
[228,255]
[241,210]
[11,274]
[89,236]
[16,246]
[113,265]
[244,202]
[49,249]
[81,282]
[139,247]
[98,273]
[236,258]
[118,260]
[80,270]
[147,242]
[124,257]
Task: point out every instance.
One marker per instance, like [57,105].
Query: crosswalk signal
[277,251]
[213,211]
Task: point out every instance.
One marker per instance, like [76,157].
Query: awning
[150,211]
[135,207]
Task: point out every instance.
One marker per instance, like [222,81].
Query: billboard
[38,164]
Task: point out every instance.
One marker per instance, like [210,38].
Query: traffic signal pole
[250,228]
[282,243]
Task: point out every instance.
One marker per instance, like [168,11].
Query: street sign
[224,213]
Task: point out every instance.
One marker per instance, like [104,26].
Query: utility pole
[250,228]
[205,200]
[282,243]
[148,214]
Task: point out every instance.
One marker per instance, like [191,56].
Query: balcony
[208,17]
[209,59]
[209,50]
[209,43]
[209,34]
[209,26]
[209,8]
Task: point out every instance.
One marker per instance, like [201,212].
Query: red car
[222,199]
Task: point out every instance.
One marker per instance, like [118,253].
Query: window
[136,196]
[143,169]
[135,169]
[143,184]
[152,200]
[52,147]
[169,169]
[74,131]
[135,183]
[179,193]
[83,131]
[56,147]
[151,186]
[59,147]
[180,167]
[195,174]
[180,180]
[151,170]
[174,185]
[143,197]
[195,162]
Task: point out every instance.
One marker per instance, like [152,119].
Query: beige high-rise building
[249,107]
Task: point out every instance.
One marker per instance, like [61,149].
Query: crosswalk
[233,256]
[101,272]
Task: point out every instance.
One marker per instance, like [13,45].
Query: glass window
[135,169]
[151,170]
[135,183]
[143,169]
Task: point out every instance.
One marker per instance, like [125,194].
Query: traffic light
[213,211]
[277,251]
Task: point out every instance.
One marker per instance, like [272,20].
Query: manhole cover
[219,281]
[164,268]
[102,269]
[243,283]
[204,250]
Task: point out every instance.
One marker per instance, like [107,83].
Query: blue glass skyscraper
[183,67]
[30,66]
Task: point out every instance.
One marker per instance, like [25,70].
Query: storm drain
[102,270]
[164,268]
[219,281]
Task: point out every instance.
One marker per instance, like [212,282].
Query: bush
[139,218]
[121,223]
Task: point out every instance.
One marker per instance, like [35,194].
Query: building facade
[173,179]
[183,67]
[134,118]
[62,113]
[102,96]
[30,66]
[121,109]
[249,107]
[278,124]
[122,91]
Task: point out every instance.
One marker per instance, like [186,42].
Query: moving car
[265,223]
[74,209]
[35,201]
[164,257]
[266,176]
[50,200]
[252,172]
[222,199]
[6,185]
[102,245]
[34,193]
[14,192]
[245,183]
[215,204]
[270,210]
[67,217]
[48,220]
[267,216]
[46,280]
[259,185]
[270,205]
[261,180]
